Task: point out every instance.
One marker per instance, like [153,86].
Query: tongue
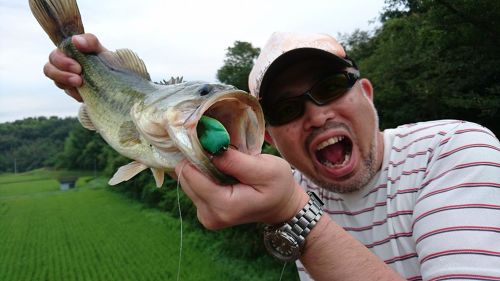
[333,153]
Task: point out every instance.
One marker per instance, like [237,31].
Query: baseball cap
[285,48]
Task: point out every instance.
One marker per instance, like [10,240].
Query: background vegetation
[433,59]
[89,233]
[429,59]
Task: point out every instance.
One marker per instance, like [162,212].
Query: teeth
[329,141]
[331,165]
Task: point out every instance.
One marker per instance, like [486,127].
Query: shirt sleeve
[456,219]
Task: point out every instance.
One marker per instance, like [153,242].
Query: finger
[173,175]
[180,170]
[249,168]
[64,63]
[87,43]
[197,184]
[63,79]
[74,94]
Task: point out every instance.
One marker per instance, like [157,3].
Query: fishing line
[180,218]
[282,271]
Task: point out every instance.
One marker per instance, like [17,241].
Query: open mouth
[241,122]
[335,152]
[236,114]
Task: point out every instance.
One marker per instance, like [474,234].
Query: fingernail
[74,81]
[75,68]
[80,41]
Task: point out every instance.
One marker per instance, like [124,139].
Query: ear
[268,138]
[367,88]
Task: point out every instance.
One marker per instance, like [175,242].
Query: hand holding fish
[66,71]
[266,193]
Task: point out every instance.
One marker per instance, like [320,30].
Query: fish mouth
[241,115]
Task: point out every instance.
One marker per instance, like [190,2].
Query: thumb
[87,43]
[250,169]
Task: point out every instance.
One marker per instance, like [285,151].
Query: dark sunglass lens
[331,88]
[285,111]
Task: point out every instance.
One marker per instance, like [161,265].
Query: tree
[84,149]
[238,64]
[33,142]
[434,59]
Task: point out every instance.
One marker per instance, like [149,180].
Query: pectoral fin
[83,117]
[159,176]
[127,172]
[128,134]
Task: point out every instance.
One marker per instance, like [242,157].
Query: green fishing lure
[213,136]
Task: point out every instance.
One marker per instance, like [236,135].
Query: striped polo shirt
[432,212]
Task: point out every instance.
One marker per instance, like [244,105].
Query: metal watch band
[287,240]
[303,222]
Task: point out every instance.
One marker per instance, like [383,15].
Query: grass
[90,233]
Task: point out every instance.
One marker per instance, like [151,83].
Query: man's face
[337,145]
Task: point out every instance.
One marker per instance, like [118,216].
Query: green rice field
[91,233]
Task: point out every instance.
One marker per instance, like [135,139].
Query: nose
[315,116]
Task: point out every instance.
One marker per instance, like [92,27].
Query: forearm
[333,254]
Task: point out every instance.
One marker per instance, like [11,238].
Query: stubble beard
[357,182]
[369,168]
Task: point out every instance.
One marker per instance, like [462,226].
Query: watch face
[282,245]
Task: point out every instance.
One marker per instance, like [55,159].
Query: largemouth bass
[153,124]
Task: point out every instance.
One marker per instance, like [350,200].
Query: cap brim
[295,56]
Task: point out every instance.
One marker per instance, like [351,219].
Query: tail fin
[59,18]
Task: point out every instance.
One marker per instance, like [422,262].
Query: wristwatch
[285,241]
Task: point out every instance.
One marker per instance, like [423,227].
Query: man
[421,201]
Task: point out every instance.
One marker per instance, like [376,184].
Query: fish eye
[205,89]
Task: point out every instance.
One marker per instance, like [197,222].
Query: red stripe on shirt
[381,222]
[428,127]
[353,213]
[464,276]
[462,185]
[384,185]
[413,155]
[474,145]
[461,166]
[474,130]
[460,252]
[391,237]
[368,227]
[401,258]
[455,207]
[413,142]
[457,228]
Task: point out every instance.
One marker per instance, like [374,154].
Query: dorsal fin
[126,59]
[172,81]
[83,117]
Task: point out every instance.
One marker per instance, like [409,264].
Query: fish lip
[334,173]
[212,100]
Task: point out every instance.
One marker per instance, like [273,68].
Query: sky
[186,38]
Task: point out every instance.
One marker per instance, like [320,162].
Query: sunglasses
[326,90]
